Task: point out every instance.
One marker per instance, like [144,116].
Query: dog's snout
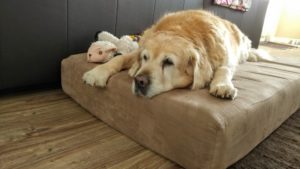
[142,81]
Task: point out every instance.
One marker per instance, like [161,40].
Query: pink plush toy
[101,51]
[109,46]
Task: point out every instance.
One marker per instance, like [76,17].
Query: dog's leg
[221,85]
[100,74]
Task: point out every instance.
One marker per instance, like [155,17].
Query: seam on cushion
[218,144]
[277,91]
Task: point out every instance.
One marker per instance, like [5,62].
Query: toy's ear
[136,64]
[112,49]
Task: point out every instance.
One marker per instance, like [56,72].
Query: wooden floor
[47,130]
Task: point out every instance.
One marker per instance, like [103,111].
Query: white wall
[272,18]
[289,22]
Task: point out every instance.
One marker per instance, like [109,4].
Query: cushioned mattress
[193,128]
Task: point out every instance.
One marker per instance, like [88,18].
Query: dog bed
[193,128]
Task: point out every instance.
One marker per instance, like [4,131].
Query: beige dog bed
[193,128]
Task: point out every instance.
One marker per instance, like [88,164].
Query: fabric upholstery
[193,128]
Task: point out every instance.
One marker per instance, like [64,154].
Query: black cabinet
[85,18]
[164,6]
[193,4]
[36,35]
[134,16]
[33,40]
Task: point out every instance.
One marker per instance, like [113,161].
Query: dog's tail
[256,55]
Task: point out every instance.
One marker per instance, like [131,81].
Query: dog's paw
[131,72]
[223,90]
[96,77]
[134,68]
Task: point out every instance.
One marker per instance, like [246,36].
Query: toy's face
[100,52]
[98,55]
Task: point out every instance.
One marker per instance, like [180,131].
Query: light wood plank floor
[47,130]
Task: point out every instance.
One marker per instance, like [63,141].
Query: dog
[188,48]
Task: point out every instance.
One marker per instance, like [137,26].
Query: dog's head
[164,62]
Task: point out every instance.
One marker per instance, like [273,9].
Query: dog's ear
[136,64]
[195,62]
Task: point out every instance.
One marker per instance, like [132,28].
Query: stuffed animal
[124,45]
[103,52]
[135,38]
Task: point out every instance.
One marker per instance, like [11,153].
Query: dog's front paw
[96,77]
[223,90]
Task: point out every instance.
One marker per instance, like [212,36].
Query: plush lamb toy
[101,51]
[109,46]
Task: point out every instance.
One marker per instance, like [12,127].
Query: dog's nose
[142,81]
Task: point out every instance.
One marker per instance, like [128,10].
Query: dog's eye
[145,57]
[167,62]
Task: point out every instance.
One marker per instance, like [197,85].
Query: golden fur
[184,48]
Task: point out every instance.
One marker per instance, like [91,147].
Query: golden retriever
[187,48]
